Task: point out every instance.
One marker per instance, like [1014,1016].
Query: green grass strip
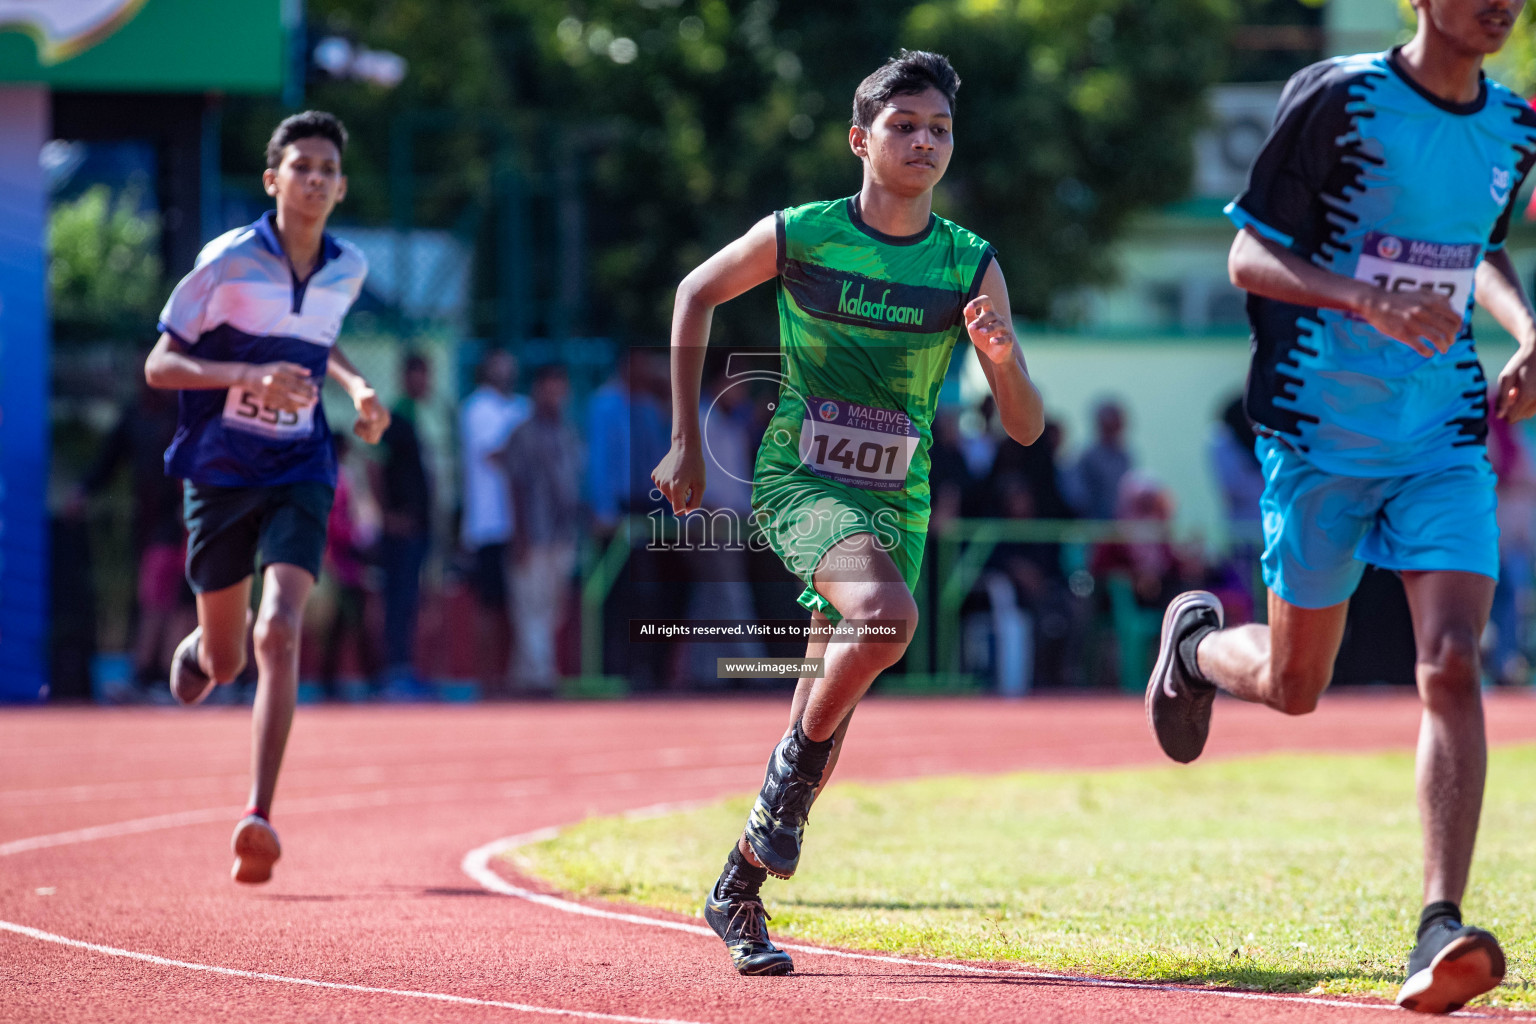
[1281,873]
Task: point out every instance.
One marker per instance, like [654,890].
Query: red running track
[116,904]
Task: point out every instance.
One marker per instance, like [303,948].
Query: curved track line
[477,865]
[436,997]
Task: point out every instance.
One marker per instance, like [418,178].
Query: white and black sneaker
[1451,964]
[1178,699]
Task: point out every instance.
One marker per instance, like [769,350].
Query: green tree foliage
[1072,117]
[681,122]
[1515,65]
[103,264]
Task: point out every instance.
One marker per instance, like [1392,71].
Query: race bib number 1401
[858,445]
[244,411]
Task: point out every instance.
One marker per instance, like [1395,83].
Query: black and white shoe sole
[769,970]
[1168,647]
[1466,968]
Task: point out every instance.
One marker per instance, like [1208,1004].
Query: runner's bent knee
[1451,666]
[1295,689]
[277,632]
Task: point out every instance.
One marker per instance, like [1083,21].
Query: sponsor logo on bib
[1389,247]
[828,411]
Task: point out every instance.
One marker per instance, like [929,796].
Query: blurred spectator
[487,418]
[949,477]
[1037,468]
[347,538]
[1157,570]
[163,609]
[1054,619]
[1236,465]
[720,587]
[980,444]
[1095,480]
[627,425]
[1240,478]
[628,433]
[404,491]
[543,460]
[1508,661]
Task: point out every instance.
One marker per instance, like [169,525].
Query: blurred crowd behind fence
[525,231]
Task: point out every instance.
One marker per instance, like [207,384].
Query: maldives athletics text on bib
[858,445]
[1404,264]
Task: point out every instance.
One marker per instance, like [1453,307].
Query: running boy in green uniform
[874,293]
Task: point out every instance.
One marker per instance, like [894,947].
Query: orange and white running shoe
[256,849]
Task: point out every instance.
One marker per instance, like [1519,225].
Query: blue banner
[24,427]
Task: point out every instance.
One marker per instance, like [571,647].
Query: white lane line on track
[230,972]
[477,865]
[155,823]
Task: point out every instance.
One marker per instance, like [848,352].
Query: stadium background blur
[535,176]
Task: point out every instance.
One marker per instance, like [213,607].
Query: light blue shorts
[1320,529]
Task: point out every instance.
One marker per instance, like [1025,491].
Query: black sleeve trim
[1524,118]
[780,241]
[981,272]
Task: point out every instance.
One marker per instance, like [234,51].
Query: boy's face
[550,393]
[1475,26]
[908,147]
[418,382]
[308,181]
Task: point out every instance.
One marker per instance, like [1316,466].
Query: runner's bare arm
[372,417]
[989,320]
[1424,321]
[1499,292]
[740,266]
[284,386]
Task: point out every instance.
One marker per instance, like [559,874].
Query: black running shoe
[742,922]
[189,683]
[777,822]
[1452,963]
[1178,703]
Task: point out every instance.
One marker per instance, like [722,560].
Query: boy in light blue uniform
[246,338]
[1376,211]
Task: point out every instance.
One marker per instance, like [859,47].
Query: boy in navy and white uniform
[247,338]
[1378,206]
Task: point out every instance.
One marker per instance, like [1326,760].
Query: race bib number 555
[1405,264]
[244,411]
[859,445]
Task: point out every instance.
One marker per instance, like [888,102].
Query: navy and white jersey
[243,303]
[1368,175]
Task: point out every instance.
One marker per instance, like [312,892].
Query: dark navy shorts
[230,528]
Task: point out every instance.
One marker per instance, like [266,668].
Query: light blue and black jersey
[243,303]
[1368,175]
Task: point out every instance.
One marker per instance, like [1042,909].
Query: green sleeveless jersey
[867,323]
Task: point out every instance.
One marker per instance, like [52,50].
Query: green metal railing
[961,550]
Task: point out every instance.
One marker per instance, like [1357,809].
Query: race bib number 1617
[1405,264]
